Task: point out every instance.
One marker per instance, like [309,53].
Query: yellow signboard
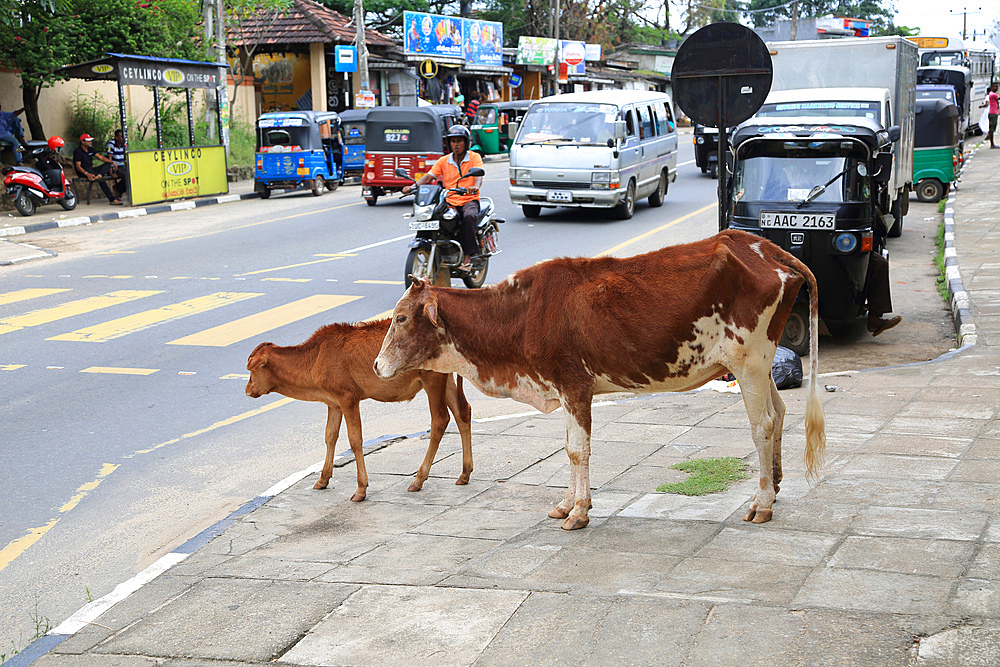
[173,173]
[930,42]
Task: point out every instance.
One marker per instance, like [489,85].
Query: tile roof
[306,22]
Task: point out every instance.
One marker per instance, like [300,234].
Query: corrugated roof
[306,22]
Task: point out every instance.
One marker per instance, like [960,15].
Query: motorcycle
[435,253]
[45,183]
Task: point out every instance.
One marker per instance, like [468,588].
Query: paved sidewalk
[889,559]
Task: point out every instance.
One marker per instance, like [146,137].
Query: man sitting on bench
[83,160]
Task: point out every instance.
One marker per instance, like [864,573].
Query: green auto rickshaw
[491,127]
[937,157]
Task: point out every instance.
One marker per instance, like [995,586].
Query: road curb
[958,298]
[127,213]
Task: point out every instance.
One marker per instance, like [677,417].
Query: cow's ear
[431,311]
[258,358]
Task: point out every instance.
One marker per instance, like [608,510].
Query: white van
[599,149]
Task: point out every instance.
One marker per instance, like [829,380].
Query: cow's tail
[815,422]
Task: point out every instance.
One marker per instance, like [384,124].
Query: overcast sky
[937,17]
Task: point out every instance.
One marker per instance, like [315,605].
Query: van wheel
[796,334]
[626,207]
[531,210]
[660,193]
[930,190]
[318,186]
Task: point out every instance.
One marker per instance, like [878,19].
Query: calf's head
[414,335]
[261,380]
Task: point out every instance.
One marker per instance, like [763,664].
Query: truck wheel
[318,185]
[930,190]
[796,334]
[418,265]
[531,210]
[660,193]
[626,207]
[477,276]
[24,204]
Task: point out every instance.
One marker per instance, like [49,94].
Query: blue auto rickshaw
[298,149]
[352,128]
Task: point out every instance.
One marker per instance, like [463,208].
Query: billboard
[476,42]
[536,50]
[173,173]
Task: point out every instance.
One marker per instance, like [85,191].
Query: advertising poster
[573,54]
[536,50]
[173,173]
[483,43]
[432,35]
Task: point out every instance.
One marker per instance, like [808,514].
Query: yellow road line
[111,370]
[20,545]
[655,231]
[10,367]
[106,331]
[255,325]
[25,294]
[88,305]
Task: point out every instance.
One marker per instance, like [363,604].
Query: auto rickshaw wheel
[713,170]
[265,193]
[477,276]
[332,185]
[531,210]
[796,334]
[626,207]
[318,185]
[660,193]
[418,265]
[930,190]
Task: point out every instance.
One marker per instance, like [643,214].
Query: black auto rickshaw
[407,137]
[491,127]
[706,149]
[353,129]
[936,151]
[820,192]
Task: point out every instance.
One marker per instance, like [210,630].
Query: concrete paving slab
[717,507]
[868,590]
[718,580]
[920,523]
[783,547]
[411,626]
[946,559]
[969,646]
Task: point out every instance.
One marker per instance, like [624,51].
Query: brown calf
[334,366]
[557,333]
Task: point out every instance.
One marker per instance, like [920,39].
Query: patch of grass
[707,476]
[940,281]
[42,626]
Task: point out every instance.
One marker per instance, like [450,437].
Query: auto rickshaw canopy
[936,124]
[410,129]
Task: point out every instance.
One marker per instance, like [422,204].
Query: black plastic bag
[786,369]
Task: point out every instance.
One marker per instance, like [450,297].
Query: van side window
[656,112]
[630,124]
[641,116]
[646,127]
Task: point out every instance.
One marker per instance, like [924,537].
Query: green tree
[386,16]
[766,12]
[42,41]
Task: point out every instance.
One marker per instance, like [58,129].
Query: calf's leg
[462,412]
[756,388]
[578,425]
[434,387]
[352,415]
[333,417]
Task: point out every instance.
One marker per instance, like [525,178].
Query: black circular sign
[721,75]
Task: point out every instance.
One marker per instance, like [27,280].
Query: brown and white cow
[334,366]
[559,332]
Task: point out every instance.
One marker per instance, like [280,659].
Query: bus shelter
[171,172]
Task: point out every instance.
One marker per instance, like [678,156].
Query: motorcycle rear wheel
[69,201]
[418,265]
[24,204]
[477,277]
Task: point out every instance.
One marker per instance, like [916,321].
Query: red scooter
[45,183]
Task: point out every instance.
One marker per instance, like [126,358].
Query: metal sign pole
[720,152]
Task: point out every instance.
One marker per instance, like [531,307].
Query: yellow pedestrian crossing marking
[380,316]
[25,294]
[123,326]
[72,308]
[10,367]
[120,371]
[255,325]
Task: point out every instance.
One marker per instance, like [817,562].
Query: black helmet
[460,131]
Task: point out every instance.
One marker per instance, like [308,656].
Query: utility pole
[795,19]
[359,21]
[211,102]
[965,16]
[555,35]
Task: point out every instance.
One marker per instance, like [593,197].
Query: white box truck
[869,77]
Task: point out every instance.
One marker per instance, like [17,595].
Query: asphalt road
[126,429]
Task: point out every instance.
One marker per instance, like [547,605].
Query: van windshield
[824,108]
[942,58]
[773,172]
[568,123]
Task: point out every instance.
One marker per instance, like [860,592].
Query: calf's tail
[815,422]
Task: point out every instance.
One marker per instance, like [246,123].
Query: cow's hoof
[415,487]
[558,513]
[758,515]
[321,484]
[575,523]
[462,479]
[357,497]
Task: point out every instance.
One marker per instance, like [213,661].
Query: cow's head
[415,333]
[261,380]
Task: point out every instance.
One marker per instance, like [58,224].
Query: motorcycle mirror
[476,171]
[402,173]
